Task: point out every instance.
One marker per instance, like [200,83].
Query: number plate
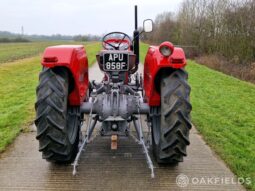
[115,62]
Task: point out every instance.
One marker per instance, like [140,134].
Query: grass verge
[18,81]
[143,51]
[17,91]
[223,111]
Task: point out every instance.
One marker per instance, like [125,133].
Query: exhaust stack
[136,37]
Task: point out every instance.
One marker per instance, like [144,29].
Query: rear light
[50,59]
[177,60]
[166,49]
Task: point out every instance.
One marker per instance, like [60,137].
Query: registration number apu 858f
[115,62]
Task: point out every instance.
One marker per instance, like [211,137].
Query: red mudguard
[75,59]
[154,63]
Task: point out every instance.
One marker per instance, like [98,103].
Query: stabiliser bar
[87,106]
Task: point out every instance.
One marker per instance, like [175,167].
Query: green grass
[143,50]
[92,50]
[224,113]
[17,91]
[18,81]
[14,51]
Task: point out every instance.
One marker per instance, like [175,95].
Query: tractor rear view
[65,94]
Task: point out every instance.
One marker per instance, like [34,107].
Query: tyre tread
[175,122]
[52,117]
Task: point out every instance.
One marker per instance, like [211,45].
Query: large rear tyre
[58,124]
[171,121]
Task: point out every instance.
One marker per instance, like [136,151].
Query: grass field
[223,111]
[14,51]
[18,81]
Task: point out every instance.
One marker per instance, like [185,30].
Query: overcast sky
[72,17]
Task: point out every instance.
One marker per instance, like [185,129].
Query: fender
[155,64]
[74,58]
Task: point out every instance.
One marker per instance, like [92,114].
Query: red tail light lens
[50,59]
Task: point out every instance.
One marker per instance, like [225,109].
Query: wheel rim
[156,126]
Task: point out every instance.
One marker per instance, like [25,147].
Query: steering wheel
[116,41]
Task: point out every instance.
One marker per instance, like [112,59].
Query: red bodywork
[155,62]
[75,59]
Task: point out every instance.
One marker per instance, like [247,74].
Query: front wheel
[171,121]
[58,124]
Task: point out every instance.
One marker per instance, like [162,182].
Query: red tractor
[65,95]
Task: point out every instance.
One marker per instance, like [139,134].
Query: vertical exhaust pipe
[136,37]
[136,20]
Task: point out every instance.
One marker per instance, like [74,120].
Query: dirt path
[21,167]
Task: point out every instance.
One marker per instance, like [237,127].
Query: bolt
[114,127]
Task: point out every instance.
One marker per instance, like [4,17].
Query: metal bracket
[139,130]
[88,134]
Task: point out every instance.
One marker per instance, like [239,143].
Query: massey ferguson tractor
[65,95]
